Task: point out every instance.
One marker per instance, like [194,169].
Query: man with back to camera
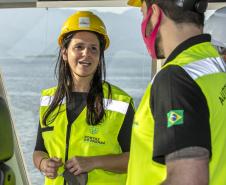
[179,128]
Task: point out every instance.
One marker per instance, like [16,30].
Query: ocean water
[26,77]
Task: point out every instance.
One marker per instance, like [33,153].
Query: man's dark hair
[177,13]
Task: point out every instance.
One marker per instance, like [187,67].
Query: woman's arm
[117,163]
[48,166]
[38,157]
[40,152]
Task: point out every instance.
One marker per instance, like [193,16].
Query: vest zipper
[68,134]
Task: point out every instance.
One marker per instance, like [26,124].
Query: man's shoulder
[169,73]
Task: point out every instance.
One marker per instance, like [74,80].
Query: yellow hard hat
[84,20]
[136,3]
[215,25]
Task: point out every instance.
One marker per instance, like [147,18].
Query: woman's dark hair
[95,106]
[178,14]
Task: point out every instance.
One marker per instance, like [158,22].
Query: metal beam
[82,3]
[213,4]
[17,3]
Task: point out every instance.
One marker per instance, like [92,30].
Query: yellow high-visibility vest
[84,139]
[212,81]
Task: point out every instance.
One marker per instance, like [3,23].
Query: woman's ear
[64,53]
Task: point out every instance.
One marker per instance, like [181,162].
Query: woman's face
[83,54]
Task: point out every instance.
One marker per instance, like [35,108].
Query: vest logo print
[222,96]
[93,130]
[175,117]
[96,140]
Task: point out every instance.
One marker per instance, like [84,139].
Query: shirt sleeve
[124,136]
[40,142]
[180,113]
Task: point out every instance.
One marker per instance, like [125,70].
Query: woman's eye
[79,47]
[94,49]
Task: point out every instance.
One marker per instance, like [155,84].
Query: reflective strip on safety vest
[204,67]
[47,100]
[113,105]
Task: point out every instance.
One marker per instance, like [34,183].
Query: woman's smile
[85,63]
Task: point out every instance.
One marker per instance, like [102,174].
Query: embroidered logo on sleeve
[175,117]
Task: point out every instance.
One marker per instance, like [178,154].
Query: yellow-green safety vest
[85,140]
[204,65]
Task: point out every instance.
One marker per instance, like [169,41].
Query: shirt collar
[187,44]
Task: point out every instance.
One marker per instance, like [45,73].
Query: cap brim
[136,3]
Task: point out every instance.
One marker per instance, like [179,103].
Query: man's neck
[173,35]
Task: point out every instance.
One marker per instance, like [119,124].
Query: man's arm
[188,166]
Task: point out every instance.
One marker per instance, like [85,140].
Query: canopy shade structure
[62,3]
[213,4]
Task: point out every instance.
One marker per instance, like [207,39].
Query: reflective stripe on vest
[113,105]
[205,67]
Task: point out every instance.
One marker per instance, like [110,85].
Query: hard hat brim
[135,3]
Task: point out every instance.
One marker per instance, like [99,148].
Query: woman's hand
[77,165]
[116,163]
[49,167]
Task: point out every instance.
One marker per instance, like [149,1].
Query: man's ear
[64,53]
[156,11]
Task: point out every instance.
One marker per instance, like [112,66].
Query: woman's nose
[86,51]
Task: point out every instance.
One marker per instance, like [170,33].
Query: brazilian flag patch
[175,117]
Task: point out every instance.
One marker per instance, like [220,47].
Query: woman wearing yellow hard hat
[85,122]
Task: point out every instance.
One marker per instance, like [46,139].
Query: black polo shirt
[179,108]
